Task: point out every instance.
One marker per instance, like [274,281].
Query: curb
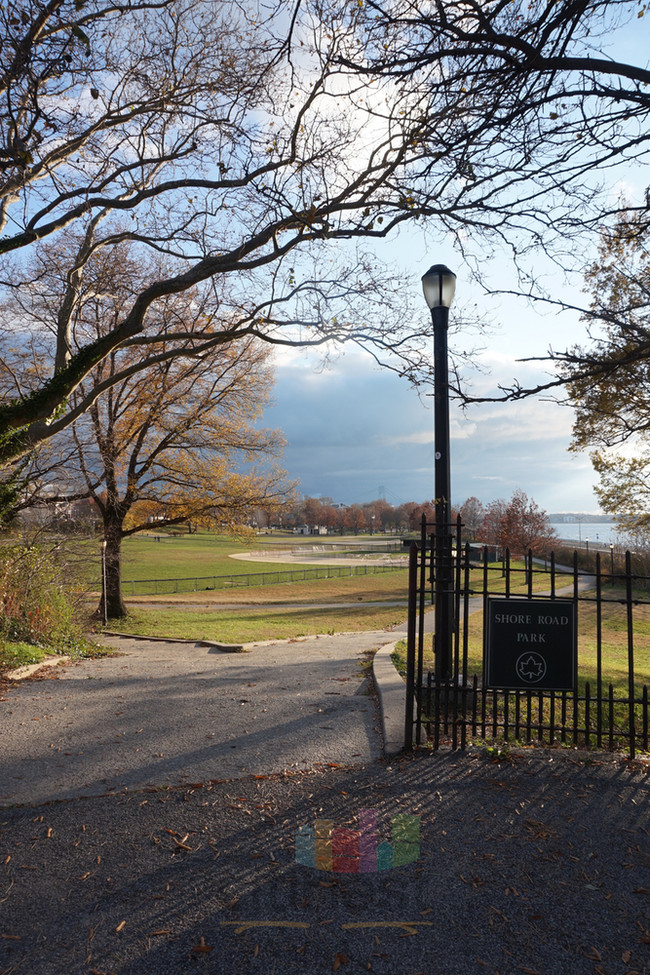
[21,672]
[391,690]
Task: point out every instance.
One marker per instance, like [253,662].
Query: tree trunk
[111,604]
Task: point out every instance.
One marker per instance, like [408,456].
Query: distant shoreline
[598,533]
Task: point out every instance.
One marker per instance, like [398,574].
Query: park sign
[530,644]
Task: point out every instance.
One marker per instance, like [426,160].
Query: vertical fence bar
[551,720]
[410,647]
[630,652]
[517,730]
[644,706]
[429,701]
[436,716]
[475,703]
[420,643]
[553,575]
[486,589]
[484,697]
[599,652]
[457,574]
[466,613]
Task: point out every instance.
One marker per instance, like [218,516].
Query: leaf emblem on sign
[531,667]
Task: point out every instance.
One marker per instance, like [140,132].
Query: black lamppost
[439,285]
[104,604]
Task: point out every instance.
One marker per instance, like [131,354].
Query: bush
[37,606]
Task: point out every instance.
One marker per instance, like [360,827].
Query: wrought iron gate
[608,706]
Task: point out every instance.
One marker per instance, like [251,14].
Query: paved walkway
[540,866]
[165,713]
[189,773]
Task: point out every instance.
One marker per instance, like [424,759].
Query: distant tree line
[518,524]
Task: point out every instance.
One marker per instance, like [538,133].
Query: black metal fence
[164,587]
[607,706]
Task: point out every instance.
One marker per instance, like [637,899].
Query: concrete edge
[391,690]
[21,672]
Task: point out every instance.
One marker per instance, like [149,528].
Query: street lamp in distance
[439,286]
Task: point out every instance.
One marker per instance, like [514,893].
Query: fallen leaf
[594,955]
[339,960]
[152,934]
[120,927]
[201,947]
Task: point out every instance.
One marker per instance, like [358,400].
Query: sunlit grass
[248,624]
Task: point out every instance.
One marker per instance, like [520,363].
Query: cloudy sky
[356,433]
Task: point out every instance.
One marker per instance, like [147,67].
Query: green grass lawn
[167,556]
[249,624]
[150,556]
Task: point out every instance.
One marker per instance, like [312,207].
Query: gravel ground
[539,865]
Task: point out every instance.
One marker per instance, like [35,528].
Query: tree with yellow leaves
[174,442]
[613,403]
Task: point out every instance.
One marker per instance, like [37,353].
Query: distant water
[599,532]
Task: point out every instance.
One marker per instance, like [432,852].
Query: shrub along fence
[165,587]
[541,653]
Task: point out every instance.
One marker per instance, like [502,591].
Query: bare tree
[256,151]
[526,108]
[472,513]
[534,110]
[236,144]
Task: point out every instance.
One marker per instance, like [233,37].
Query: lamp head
[439,285]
